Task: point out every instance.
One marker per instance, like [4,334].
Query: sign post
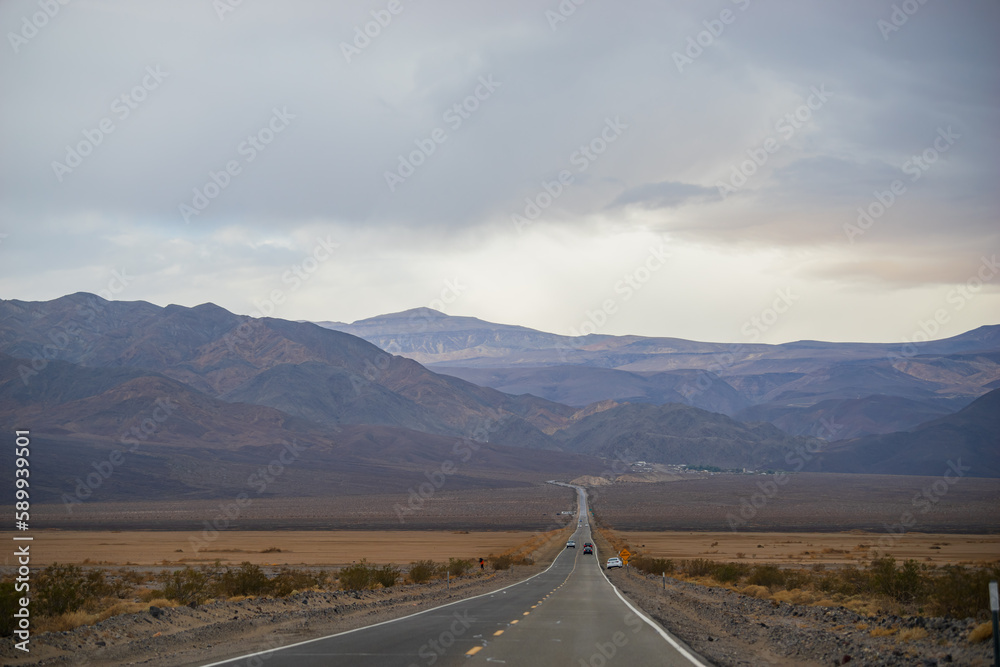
[995,609]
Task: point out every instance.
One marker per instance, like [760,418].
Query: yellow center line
[498,633]
[513,622]
[525,613]
[474,650]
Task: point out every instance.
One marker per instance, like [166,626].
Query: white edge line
[650,622]
[401,618]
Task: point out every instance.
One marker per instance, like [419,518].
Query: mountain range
[130,400]
[828,390]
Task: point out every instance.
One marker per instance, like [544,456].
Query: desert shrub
[187,586]
[501,562]
[422,571]
[652,565]
[766,575]
[119,587]
[730,572]
[132,578]
[386,575]
[357,577]
[9,605]
[60,589]
[288,580]
[798,579]
[910,582]
[905,583]
[248,579]
[699,567]
[458,566]
[962,593]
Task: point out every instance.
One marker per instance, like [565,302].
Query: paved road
[567,615]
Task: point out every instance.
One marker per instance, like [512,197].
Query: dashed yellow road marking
[498,633]
[474,650]
[525,613]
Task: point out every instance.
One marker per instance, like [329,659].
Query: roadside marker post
[995,609]
[447,581]
[664,580]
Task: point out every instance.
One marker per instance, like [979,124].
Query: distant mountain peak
[412,313]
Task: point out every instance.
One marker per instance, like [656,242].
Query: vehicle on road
[615,562]
[571,545]
[587,549]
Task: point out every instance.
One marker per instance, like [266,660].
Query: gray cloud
[325,172]
[668,194]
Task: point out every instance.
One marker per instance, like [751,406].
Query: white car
[615,562]
[571,545]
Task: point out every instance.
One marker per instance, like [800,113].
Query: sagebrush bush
[386,575]
[766,575]
[729,573]
[288,580]
[357,577]
[422,571]
[652,565]
[246,580]
[187,586]
[9,605]
[458,566]
[501,562]
[961,592]
[698,567]
[64,588]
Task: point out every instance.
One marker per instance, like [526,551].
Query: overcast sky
[654,168]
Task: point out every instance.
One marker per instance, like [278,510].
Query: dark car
[588,549]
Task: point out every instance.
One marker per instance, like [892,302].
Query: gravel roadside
[728,628]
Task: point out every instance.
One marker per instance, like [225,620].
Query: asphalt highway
[569,614]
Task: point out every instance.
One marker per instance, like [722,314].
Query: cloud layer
[533,153]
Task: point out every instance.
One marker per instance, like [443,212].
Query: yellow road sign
[624,555]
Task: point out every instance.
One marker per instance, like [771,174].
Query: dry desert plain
[811,518]
[326,548]
[338,548]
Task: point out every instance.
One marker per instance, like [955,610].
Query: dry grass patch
[912,634]
[756,591]
[883,632]
[74,619]
[795,596]
[981,633]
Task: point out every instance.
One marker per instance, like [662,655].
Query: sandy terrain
[297,547]
[811,548]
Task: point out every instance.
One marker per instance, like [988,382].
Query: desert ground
[811,548]
[338,548]
[326,548]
